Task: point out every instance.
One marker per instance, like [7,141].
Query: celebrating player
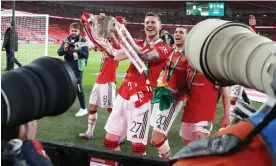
[173,81]
[132,107]
[200,108]
[103,93]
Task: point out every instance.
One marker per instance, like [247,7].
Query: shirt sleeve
[60,50]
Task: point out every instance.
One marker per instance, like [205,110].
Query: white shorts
[103,95]
[236,91]
[125,116]
[187,129]
[162,121]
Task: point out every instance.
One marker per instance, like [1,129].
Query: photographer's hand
[65,47]
[28,131]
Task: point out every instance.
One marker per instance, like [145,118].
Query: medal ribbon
[171,69]
[192,78]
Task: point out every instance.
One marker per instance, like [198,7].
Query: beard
[73,36]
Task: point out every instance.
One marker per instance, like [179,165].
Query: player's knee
[111,142]
[92,109]
[138,148]
[158,138]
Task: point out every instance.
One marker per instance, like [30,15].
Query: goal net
[32,36]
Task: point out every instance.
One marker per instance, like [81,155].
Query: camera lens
[45,87]
[230,53]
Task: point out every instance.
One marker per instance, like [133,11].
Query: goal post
[32,32]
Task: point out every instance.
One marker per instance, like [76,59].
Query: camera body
[70,44]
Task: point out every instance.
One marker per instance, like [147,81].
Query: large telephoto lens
[229,53]
[45,87]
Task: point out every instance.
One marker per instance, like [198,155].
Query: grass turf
[66,127]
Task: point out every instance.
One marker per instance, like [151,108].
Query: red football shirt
[178,77]
[201,101]
[133,75]
[107,71]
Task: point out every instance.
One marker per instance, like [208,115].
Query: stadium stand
[169,12]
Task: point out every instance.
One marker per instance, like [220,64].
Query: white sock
[164,150]
[92,119]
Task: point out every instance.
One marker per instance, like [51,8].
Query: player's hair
[75,25]
[154,15]
[180,27]
[186,30]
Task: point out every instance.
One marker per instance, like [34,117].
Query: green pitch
[67,127]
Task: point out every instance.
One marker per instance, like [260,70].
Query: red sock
[109,110]
[110,145]
[138,148]
[92,112]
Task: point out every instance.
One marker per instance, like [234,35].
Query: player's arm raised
[120,55]
[153,55]
[252,22]
[225,120]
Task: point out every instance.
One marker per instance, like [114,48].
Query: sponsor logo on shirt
[197,84]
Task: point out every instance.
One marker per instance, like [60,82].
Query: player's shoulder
[164,47]
[163,44]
